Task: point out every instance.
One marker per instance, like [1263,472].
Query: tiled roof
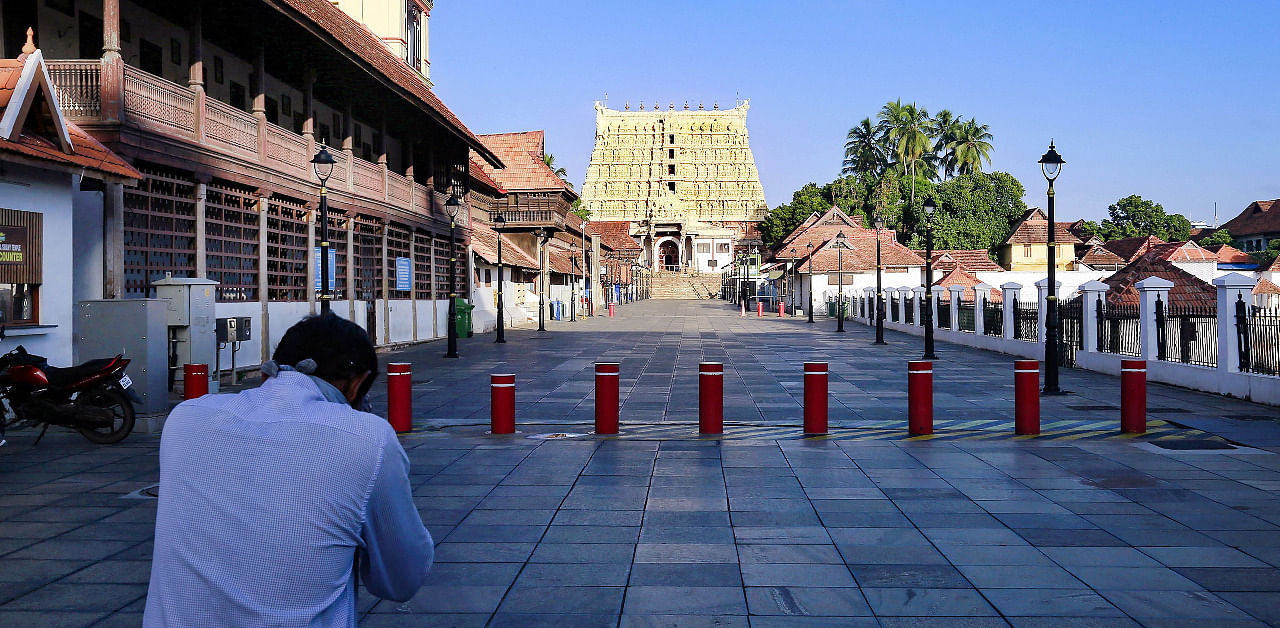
[478,174]
[820,235]
[860,256]
[1034,229]
[972,260]
[1265,286]
[1078,230]
[1099,255]
[1228,254]
[86,151]
[1188,290]
[354,36]
[484,242]
[616,234]
[525,170]
[1132,248]
[1258,218]
[1182,252]
[833,220]
[962,277]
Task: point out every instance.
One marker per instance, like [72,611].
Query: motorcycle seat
[69,375]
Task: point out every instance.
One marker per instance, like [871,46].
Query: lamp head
[498,220]
[879,220]
[840,240]
[929,206]
[322,164]
[1051,163]
[810,247]
[452,205]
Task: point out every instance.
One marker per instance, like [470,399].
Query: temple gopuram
[682,184]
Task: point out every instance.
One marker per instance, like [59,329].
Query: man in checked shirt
[266,496]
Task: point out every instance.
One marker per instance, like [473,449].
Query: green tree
[1219,236]
[579,210]
[944,127]
[866,151]
[783,219]
[1134,216]
[970,146]
[976,210]
[907,127]
[561,173]
[1264,258]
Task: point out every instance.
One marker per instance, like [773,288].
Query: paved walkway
[762,530]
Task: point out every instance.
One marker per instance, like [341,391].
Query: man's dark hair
[339,347]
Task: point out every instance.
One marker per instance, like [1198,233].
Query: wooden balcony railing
[522,218]
[167,108]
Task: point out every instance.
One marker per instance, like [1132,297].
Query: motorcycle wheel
[121,408]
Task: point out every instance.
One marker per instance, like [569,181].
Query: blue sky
[1176,101]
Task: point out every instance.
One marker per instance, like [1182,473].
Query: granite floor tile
[1195,605]
[563,600]
[670,600]
[686,575]
[927,602]
[807,601]
[1051,602]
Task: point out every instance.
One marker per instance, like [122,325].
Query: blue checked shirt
[265,496]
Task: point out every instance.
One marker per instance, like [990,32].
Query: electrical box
[191,322]
[243,325]
[137,329]
[225,330]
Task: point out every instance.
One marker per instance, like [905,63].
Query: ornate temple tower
[684,179]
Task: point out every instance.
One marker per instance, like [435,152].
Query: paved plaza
[658,527]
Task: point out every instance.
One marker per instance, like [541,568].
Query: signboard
[404,274]
[333,269]
[13,245]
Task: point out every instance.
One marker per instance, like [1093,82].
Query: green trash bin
[463,322]
[831,309]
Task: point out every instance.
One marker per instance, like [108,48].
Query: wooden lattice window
[231,242]
[442,268]
[159,230]
[397,246]
[368,257]
[287,250]
[338,226]
[422,288]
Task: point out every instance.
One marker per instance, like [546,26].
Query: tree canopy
[1219,236]
[1134,216]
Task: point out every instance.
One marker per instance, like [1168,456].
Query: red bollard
[607,376]
[195,380]
[759,309]
[502,403]
[711,398]
[781,313]
[815,397]
[1133,396]
[742,309]
[920,397]
[610,310]
[400,396]
[1026,397]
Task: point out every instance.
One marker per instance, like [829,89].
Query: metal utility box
[243,325]
[225,330]
[190,317]
[136,328]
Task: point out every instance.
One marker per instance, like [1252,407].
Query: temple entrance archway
[668,255]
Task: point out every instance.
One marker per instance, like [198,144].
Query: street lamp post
[840,289]
[322,164]
[1051,165]
[452,206]
[541,234]
[795,272]
[927,317]
[810,247]
[498,222]
[879,290]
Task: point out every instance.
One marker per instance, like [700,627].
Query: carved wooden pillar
[260,97]
[264,334]
[202,194]
[351,268]
[195,76]
[348,128]
[111,90]
[407,150]
[311,281]
[308,110]
[388,271]
[113,241]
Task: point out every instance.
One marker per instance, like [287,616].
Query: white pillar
[1231,289]
[1009,293]
[918,295]
[956,293]
[1147,290]
[1092,291]
[935,293]
[1042,296]
[980,293]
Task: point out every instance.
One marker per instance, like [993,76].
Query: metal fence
[909,310]
[862,307]
[992,318]
[1118,329]
[1187,333]
[944,314]
[893,308]
[1071,315]
[1026,321]
[1258,338]
[965,314]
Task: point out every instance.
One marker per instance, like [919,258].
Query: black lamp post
[927,313]
[452,206]
[795,272]
[879,291]
[322,164]
[1051,165]
[840,287]
[810,247]
[541,235]
[498,223]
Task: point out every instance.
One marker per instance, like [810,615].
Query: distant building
[1027,247]
[1129,249]
[1187,290]
[971,260]
[684,182]
[400,24]
[1256,227]
[1188,256]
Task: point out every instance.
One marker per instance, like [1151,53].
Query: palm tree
[908,129]
[971,146]
[944,127]
[865,150]
[550,160]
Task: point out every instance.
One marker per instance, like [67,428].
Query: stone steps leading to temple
[672,285]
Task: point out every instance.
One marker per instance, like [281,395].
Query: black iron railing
[1026,321]
[1118,328]
[965,315]
[909,310]
[1071,314]
[1258,338]
[992,318]
[944,314]
[893,308]
[1186,333]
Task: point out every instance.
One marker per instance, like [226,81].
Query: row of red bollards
[1133,394]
